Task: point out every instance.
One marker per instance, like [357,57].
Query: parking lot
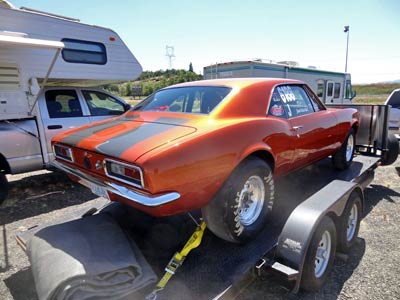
[370,272]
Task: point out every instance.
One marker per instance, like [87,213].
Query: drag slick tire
[320,256]
[242,206]
[344,156]
[3,187]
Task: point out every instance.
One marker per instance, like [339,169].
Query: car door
[311,124]
[102,105]
[61,109]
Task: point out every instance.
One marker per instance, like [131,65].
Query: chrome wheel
[349,147]
[251,200]
[352,222]
[323,254]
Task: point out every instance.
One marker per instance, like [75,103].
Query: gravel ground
[370,272]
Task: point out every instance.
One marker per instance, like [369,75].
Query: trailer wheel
[320,255]
[393,151]
[344,156]
[349,223]
[3,187]
[241,208]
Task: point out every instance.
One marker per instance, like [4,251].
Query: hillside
[375,93]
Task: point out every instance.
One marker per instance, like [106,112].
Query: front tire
[241,207]
[344,156]
[320,256]
[3,187]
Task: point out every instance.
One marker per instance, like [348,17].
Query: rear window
[84,52]
[394,101]
[194,99]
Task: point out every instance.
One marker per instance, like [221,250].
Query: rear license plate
[99,190]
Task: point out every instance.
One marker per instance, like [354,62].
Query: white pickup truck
[49,65]
[394,117]
[60,108]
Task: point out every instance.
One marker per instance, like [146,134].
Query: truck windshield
[193,99]
[394,100]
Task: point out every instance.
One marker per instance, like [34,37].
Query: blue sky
[205,32]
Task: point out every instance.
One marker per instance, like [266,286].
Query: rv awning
[8,40]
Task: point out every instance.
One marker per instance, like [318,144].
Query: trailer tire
[349,223]
[393,150]
[241,208]
[3,187]
[344,156]
[316,268]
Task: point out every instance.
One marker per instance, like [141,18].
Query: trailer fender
[299,228]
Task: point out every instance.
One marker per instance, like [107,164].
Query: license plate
[99,191]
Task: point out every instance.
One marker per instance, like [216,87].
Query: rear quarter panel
[346,119]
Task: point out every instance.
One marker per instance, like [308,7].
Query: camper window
[101,104]
[337,90]
[320,89]
[330,90]
[84,52]
[348,89]
[63,104]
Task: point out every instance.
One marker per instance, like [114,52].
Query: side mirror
[353,94]
[127,106]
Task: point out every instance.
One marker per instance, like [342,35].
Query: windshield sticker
[277,110]
[286,94]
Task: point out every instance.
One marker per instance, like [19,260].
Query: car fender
[257,149]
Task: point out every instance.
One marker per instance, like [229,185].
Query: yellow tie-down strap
[177,260]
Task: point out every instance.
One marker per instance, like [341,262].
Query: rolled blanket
[88,258]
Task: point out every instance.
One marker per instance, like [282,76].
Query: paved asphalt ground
[371,272]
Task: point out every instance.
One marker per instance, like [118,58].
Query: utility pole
[347,30]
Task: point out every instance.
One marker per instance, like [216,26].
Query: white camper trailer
[331,87]
[49,65]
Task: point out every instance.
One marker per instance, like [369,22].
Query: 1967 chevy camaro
[213,144]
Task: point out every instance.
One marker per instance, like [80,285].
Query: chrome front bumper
[117,189]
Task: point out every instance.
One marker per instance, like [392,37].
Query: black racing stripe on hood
[74,138]
[119,144]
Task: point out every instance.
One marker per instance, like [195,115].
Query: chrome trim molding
[117,189]
[141,185]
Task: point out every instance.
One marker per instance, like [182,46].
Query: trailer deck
[218,269]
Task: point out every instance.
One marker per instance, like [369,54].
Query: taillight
[63,152]
[124,172]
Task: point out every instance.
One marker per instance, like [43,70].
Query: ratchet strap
[178,259]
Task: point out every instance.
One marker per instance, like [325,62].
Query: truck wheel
[3,187]
[344,156]
[393,151]
[349,223]
[242,206]
[320,256]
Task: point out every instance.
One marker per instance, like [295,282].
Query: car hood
[128,137]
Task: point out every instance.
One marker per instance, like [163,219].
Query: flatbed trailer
[218,269]
[221,270]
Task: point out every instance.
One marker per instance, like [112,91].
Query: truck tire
[242,206]
[344,156]
[349,223]
[320,256]
[3,187]
[393,151]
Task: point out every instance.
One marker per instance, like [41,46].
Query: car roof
[236,82]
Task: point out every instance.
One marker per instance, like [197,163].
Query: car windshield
[193,99]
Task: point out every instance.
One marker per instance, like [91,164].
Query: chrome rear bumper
[117,189]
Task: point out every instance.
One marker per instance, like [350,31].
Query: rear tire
[3,187]
[349,223]
[320,256]
[241,207]
[393,151]
[344,156]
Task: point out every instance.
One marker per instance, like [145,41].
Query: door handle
[295,128]
[51,127]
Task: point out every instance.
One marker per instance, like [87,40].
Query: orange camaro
[213,144]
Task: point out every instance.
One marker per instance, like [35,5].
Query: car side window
[295,100]
[316,104]
[101,104]
[276,106]
[63,104]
